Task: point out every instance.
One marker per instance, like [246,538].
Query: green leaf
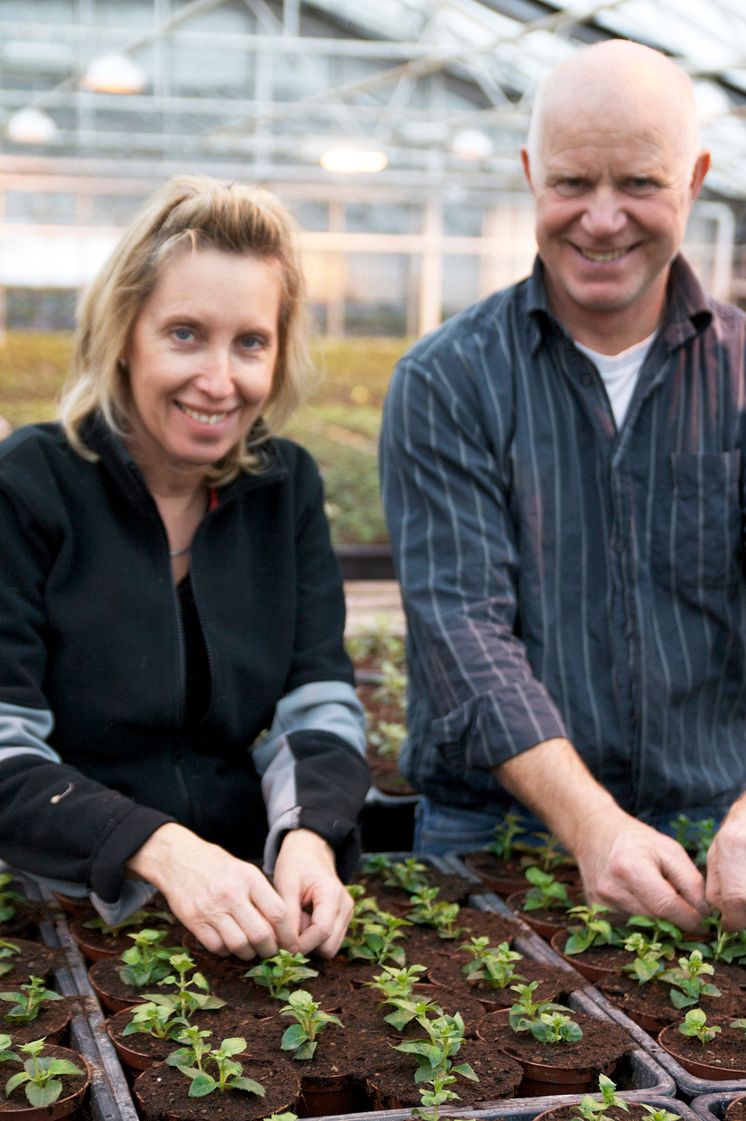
[292,1037]
[16,1080]
[40,1096]
[202,1084]
[249,1085]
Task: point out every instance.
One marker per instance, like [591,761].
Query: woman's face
[201,360]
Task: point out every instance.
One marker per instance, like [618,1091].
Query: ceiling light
[471,144]
[350,160]
[30,126]
[114,73]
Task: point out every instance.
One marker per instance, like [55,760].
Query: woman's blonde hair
[200,213]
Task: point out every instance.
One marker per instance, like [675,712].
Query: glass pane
[376,296]
[45,207]
[461,282]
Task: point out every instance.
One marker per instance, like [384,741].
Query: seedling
[546,893]
[407,1009]
[695,1026]
[548,854]
[594,931]
[435,1054]
[379,643]
[725,945]
[658,1113]
[228,1073]
[544,1019]
[395,981]
[8,950]
[8,898]
[158,1020]
[495,966]
[503,844]
[300,1037]
[147,961]
[40,1075]
[372,937]
[591,1109]
[192,990]
[659,930]
[438,1094]
[740,1025]
[29,1002]
[387,738]
[688,983]
[282,1117]
[281,973]
[428,910]
[647,963]
[410,875]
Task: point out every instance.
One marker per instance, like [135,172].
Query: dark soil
[52,1022]
[650,1005]
[162,1092]
[602,1044]
[736,1110]
[726,1052]
[33,960]
[17,1102]
[224,1023]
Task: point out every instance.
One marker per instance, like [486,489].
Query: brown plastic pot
[17,1105]
[713,1072]
[590,970]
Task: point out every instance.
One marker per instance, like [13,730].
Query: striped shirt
[565,578]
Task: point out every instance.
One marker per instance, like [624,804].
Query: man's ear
[526,161]
[701,167]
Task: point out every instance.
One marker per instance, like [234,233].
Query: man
[562,476]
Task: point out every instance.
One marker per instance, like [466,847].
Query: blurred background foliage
[339,422]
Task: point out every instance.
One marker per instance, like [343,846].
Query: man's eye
[640,183]
[570,185]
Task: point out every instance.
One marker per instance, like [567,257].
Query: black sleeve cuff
[128,835]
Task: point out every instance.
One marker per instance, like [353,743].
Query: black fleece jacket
[94,751]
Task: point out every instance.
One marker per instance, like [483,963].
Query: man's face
[612,201]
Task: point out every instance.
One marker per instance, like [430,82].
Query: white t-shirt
[619,373]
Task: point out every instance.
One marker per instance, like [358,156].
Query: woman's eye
[182,334]
[251,342]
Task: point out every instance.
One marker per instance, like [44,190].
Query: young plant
[141,919]
[493,965]
[428,910]
[40,1075]
[8,898]
[387,738]
[658,1113]
[544,1019]
[695,1026]
[660,930]
[547,854]
[301,1037]
[8,950]
[289,1116]
[647,963]
[545,893]
[281,973]
[594,931]
[695,836]
[371,937]
[29,1002]
[157,1020]
[407,1009]
[409,874]
[740,1025]
[445,1035]
[591,1109]
[503,843]
[688,981]
[192,990]
[147,961]
[434,1094]
[394,981]
[725,945]
[228,1073]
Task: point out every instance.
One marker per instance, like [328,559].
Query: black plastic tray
[712,1106]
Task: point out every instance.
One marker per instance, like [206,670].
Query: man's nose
[604,214]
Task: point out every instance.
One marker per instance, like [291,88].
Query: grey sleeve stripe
[325,706]
[24,731]
[280,793]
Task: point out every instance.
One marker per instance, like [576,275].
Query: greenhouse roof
[441,88]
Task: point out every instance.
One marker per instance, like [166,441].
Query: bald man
[562,474]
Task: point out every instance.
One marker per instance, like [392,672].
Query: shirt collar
[688,309]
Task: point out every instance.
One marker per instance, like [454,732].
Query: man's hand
[726,868]
[626,865]
[633,869]
[225,902]
[318,904]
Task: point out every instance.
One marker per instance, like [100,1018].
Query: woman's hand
[318,904]
[225,902]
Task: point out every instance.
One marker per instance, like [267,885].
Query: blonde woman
[174,694]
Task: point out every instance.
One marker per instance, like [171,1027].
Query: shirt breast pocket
[697,542]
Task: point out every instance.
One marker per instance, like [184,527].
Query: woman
[168,594]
